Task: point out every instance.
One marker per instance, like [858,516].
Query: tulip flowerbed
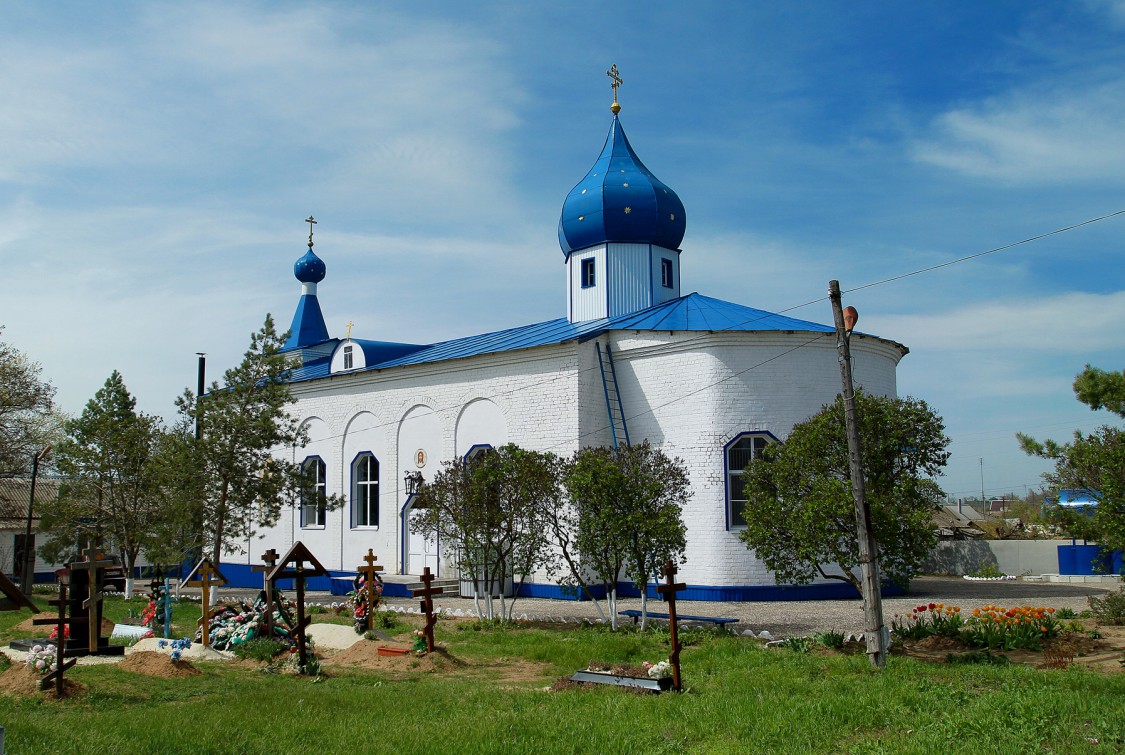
[992,627]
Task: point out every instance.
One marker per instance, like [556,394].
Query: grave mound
[21,679]
[152,663]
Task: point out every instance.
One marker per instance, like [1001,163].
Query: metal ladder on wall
[617,427]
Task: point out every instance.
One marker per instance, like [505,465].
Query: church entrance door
[421,551]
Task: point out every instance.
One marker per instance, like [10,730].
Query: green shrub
[312,609]
[988,571]
[1066,613]
[830,639]
[798,644]
[388,620]
[1110,609]
[260,649]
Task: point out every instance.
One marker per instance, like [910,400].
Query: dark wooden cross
[205,576]
[668,591]
[14,599]
[269,558]
[368,571]
[428,592]
[60,623]
[296,557]
[94,564]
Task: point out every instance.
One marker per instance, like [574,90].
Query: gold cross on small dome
[615,75]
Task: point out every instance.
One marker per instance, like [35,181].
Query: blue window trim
[583,265]
[726,468]
[475,447]
[321,461]
[378,488]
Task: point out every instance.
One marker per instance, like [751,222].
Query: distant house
[15,494]
[1079,498]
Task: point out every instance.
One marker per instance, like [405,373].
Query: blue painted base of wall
[240,576]
[722,593]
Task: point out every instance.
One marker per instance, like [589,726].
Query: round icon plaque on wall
[420,458]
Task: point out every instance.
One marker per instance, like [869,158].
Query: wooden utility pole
[868,550]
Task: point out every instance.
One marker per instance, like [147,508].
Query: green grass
[740,698]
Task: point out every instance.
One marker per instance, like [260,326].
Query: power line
[656,350]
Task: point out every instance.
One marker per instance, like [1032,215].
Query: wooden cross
[60,632]
[668,590]
[208,575]
[428,592]
[269,558]
[369,571]
[296,557]
[94,563]
[14,598]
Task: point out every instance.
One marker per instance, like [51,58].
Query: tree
[177,534]
[1094,461]
[26,416]
[629,513]
[489,507]
[800,515]
[243,483]
[110,492]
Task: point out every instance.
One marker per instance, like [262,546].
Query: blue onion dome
[620,200]
[310,268]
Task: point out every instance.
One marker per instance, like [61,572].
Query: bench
[717,621]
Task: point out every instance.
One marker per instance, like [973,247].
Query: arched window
[740,452]
[314,492]
[365,491]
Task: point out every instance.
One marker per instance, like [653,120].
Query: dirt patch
[157,664]
[1103,654]
[46,629]
[365,654]
[21,679]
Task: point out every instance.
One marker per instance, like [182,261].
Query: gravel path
[801,617]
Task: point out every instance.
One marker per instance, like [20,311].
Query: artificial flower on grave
[42,659]
[359,601]
[420,646]
[661,670]
[55,632]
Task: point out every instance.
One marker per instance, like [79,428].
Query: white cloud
[1071,323]
[1068,131]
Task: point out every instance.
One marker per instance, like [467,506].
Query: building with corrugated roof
[634,358]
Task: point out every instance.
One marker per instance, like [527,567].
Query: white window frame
[349,360]
[667,274]
[314,513]
[734,467]
[365,492]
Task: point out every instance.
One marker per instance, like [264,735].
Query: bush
[1110,609]
[830,639]
[988,571]
[260,649]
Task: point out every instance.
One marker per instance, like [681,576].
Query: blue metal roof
[620,200]
[308,325]
[693,312]
[383,351]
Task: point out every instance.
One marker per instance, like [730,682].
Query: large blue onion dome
[310,268]
[620,200]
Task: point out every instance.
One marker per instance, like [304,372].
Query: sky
[157,162]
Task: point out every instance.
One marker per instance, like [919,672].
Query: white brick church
[705,380]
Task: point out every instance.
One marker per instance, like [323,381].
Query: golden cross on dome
[349,335]
[311,221]
[615,75]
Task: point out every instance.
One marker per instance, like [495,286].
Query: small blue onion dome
[620,200]
[309,269]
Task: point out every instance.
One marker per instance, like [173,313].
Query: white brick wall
[689,393]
